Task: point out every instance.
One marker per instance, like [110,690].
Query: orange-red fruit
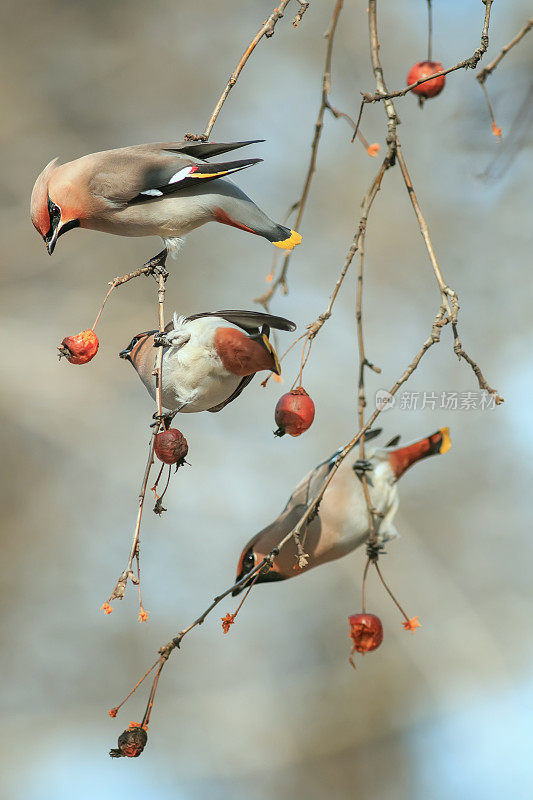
[421,70]
[171,447]
[366,631]
[81,348]
[131,743]
[295,412]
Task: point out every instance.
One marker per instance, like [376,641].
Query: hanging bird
[160,189]
[341,524]
[208,358]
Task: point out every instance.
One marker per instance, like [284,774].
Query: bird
[208,358]
[165,189]
[341,523]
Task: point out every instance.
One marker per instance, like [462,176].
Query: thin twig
[434,337]
[363,362]
[281,281]
[449,297]
[484,73]
[430,29]
[120,587]
[467,63]
[267,30]
[314,327]
[147,269]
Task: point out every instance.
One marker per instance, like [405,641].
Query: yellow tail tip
[446,441]
[290,243]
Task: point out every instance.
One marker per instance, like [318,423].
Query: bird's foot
[164,419]
[161,340]
[374,550]
[156,264]
[363,467]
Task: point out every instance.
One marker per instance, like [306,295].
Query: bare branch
[484,73]
[300,204]
[266,30]
[468,63]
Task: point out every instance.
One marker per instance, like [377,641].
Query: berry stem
[365,573]
[148,671]
[390,591]
[489,105]
[430,29]
[113,286]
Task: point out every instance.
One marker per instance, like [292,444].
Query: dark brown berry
[131,743]
[171,447]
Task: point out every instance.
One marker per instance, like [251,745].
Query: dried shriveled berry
[131,743]
[422,70]
[171,447]
[366,632]
[79,349]
[295,412]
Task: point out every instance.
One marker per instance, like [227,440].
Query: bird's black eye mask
[127,350]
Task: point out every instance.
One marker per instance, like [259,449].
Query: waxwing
[166,189]
[341,524]
[208,358]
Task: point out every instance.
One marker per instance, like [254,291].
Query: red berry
[366,631]
[81,348]
[421,70]
[171,447]
[131,743]
[295,412]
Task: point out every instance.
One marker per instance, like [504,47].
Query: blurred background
[273,709]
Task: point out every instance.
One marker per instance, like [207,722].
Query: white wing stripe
[179,176]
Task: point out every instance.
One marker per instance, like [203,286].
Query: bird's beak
[265,577]
[51,237]
[57,229]
[270,347]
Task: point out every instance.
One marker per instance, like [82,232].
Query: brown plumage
[165,189]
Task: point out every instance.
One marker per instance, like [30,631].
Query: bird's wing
[242,385]
[310,485]
[394,441]
[135,175]
[203,150]
[249,321]
[307,488]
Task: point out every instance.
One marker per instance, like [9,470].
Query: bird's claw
[161,340]
[163,419]
[362,465]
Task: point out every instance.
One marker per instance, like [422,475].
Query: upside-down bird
[341,524]
[166,189]
[208,358]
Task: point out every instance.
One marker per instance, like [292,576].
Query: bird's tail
[404,457]
[240,212]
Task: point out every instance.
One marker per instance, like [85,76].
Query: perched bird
[341,524]
[208,358]
[163,189]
